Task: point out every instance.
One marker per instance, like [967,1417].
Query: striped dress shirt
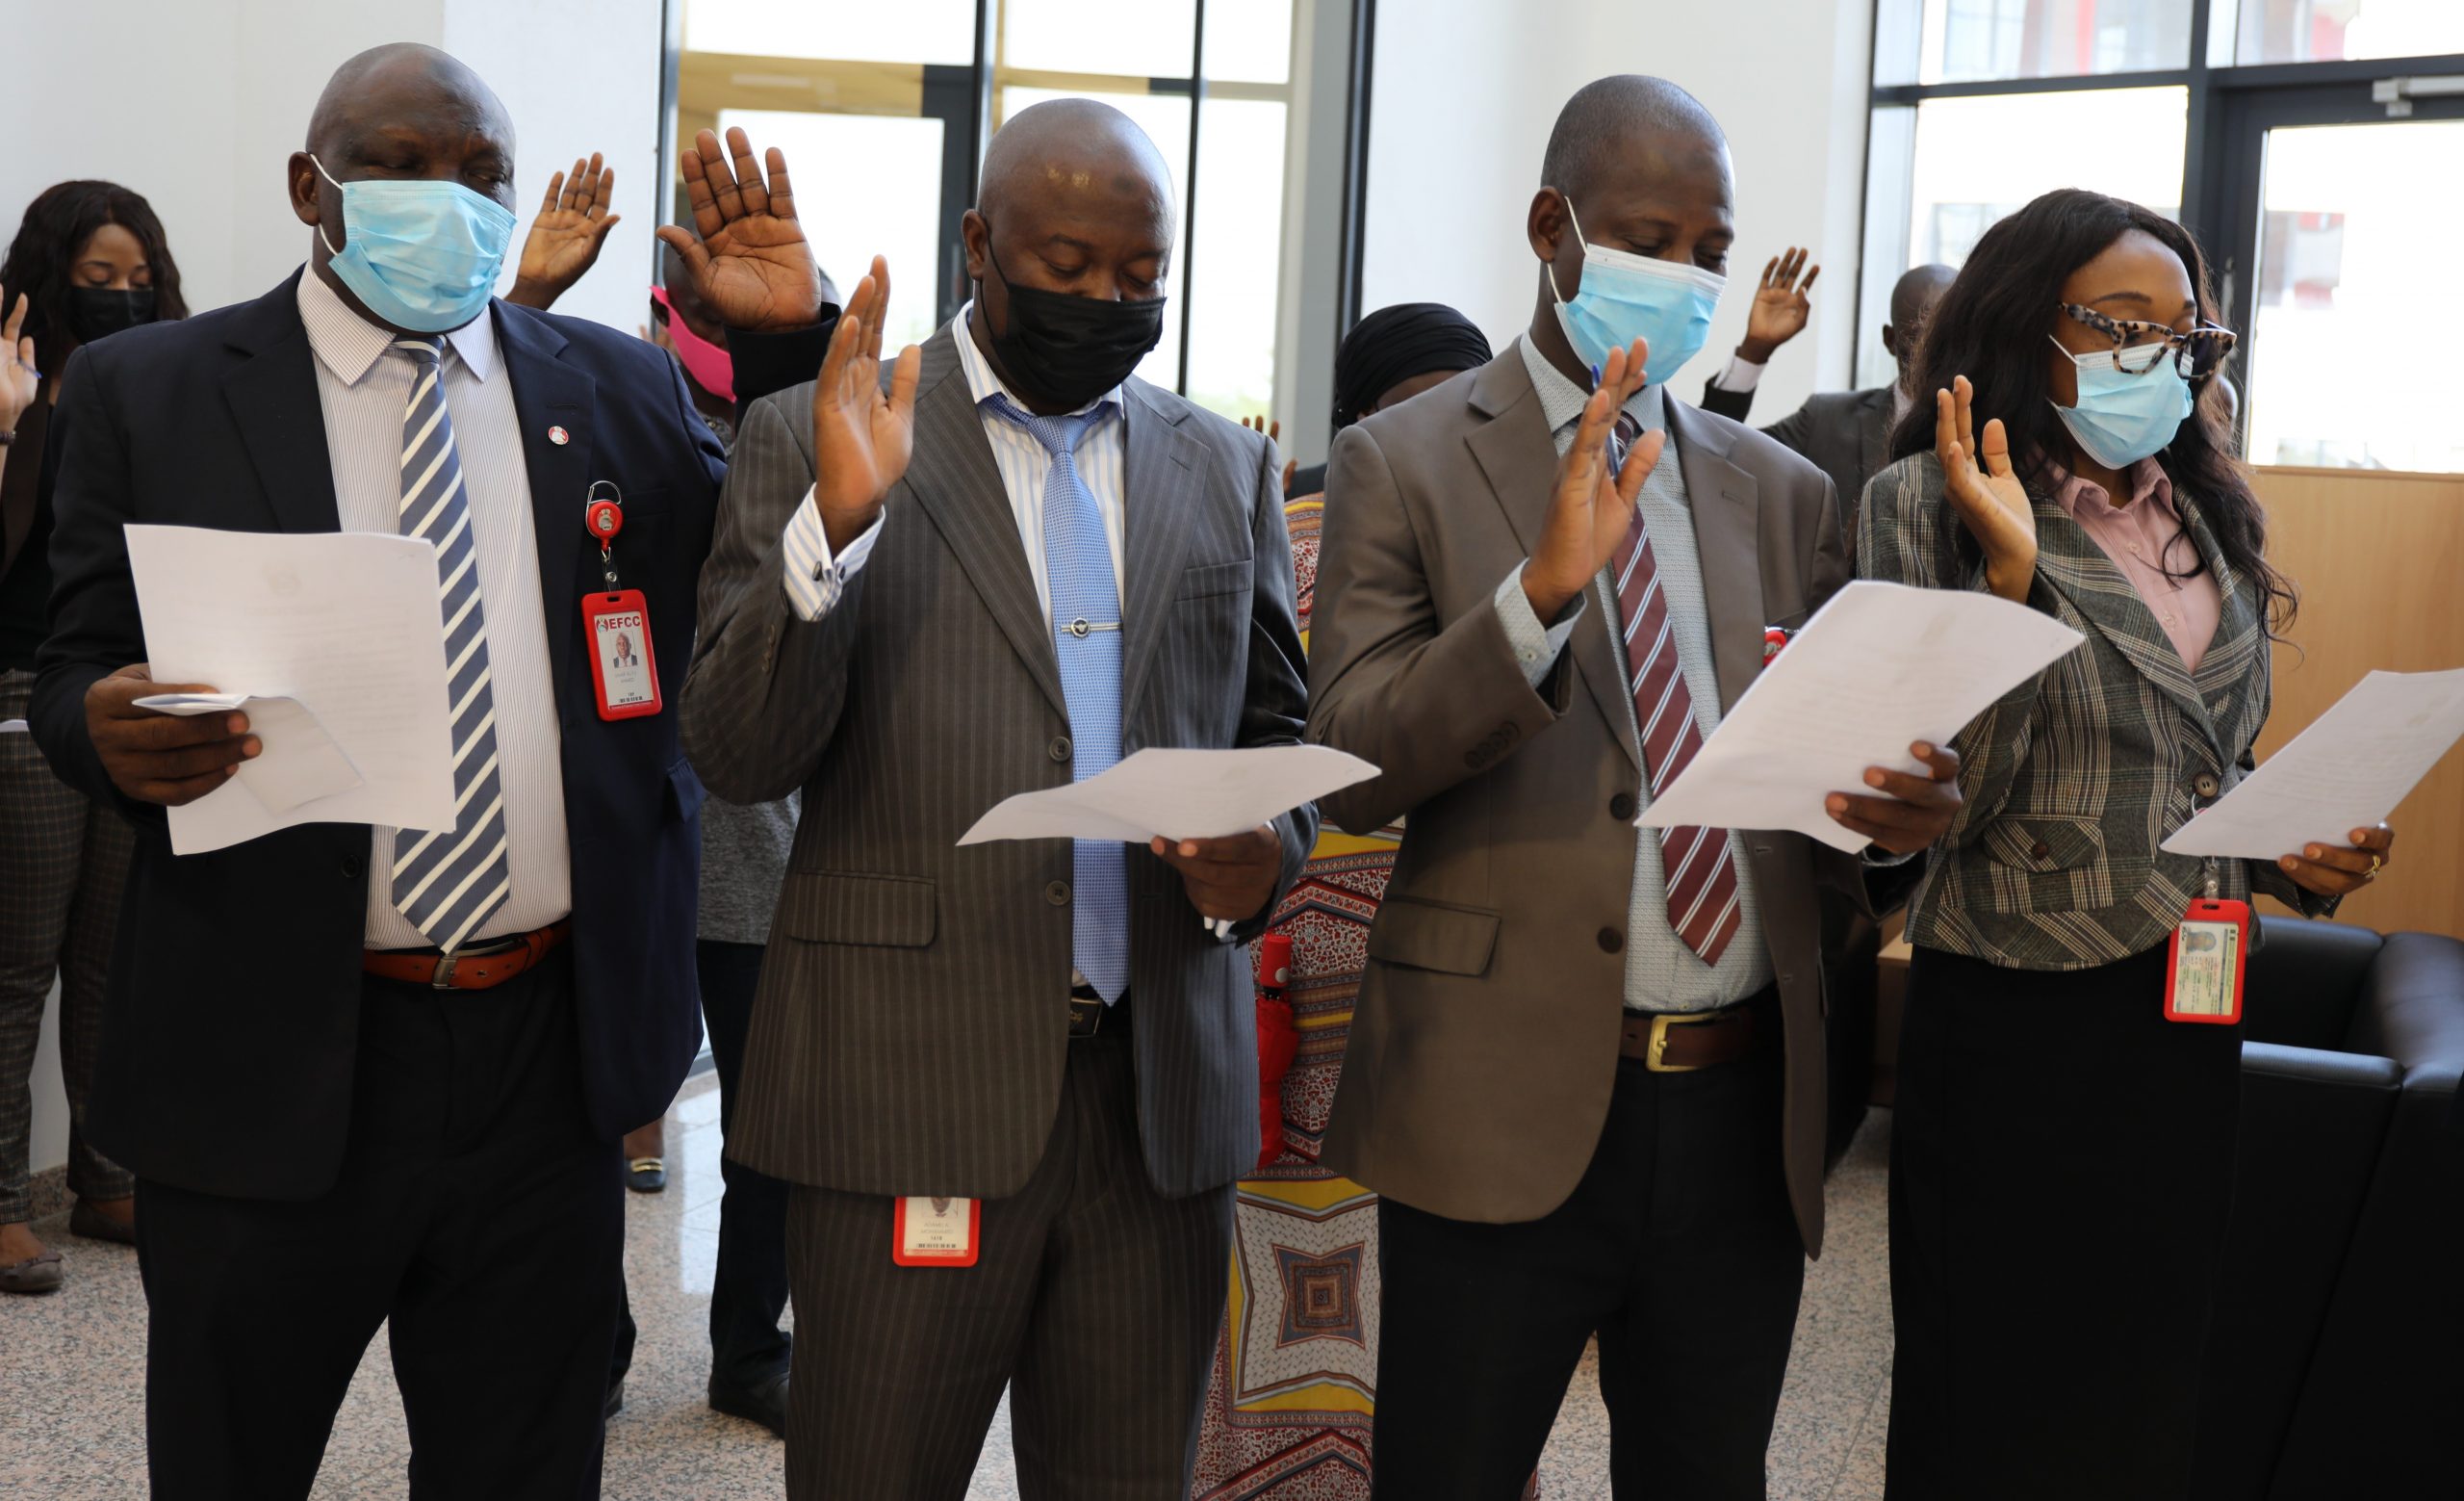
[364,392]
[1661,973]
[814,578]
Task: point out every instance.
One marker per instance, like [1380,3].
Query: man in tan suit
[1586,1070]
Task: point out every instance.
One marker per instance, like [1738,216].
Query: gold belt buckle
[1658,1042]
[1079,1011]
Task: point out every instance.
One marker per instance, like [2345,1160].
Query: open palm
[18,381]
[746,253]
[572,224]
[1782,300]
[1983,488]
[862,435]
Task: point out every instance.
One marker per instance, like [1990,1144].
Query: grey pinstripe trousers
[63,863]
[1095,1300]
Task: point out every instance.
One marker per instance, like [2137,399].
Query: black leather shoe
[765,1402]
[646,1175]
[615,1398]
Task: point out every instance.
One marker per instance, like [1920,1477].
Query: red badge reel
[616,622]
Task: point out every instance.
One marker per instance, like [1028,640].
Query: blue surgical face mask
[1625,296]
[2122,418]
[420,255]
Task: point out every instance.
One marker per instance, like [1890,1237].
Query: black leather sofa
[2336,1362]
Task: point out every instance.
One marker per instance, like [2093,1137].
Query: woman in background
[87,261]
[2062,1154]
[1292,1394]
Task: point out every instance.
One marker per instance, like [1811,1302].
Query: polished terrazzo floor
[72,1368]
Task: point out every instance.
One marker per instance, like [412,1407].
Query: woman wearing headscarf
[1279,1412]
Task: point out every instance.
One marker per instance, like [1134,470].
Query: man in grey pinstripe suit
[1075,565]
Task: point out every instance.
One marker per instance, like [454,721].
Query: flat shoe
[84,1219]
[36,1274]
[765,1402]
[646,1175]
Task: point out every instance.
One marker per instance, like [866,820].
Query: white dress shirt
[365,389]
[814,577]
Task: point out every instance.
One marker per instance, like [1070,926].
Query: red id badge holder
[615,622]
[2204,966]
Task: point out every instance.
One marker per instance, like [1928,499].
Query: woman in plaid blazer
[2061,1152]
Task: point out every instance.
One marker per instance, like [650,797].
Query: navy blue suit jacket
[231,1030]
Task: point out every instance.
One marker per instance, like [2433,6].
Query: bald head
[1616,116]
[1912,303]
[1075,155]
[404,82]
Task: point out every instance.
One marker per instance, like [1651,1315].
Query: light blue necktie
[449,880]
[1085,637]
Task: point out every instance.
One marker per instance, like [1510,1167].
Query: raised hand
[566,237]
[863,436]
[1783,301]
[18,377]
[746,253]
[1989,497]
[1274,432]
[1591,509]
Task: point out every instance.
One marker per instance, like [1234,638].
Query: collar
[982,384]
[2148,477]
[1561,401]
[350,345]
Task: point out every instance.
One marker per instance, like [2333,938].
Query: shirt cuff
[1741,376]
[1535,646]
[1876,858]
[813,578]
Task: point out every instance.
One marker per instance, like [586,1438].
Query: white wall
[206,99]
[1464,92]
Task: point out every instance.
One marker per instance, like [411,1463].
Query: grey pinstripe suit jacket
[2075,777]
[911,1029]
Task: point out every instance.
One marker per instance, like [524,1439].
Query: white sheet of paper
[13,727]
[299,762]
[1180,794]
[346,625]
[2347,771]
[1876,670]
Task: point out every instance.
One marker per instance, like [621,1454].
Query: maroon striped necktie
[1700,875]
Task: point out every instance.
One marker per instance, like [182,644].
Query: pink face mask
[706,362]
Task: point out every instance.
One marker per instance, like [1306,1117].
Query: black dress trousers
[475,1210]
[749,1291]
[2062,1166]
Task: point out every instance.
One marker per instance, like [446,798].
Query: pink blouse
[2142,536]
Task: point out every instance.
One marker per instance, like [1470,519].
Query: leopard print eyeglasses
[2140,345]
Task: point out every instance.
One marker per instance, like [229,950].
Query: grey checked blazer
[910,1033]
[2075,777]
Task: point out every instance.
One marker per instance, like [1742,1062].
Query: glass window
[2320,30]
[1936,41]
[911,31]
[1249,41]
[890,164]
[1236,254]
[1979,159]
[1166,119]
[2351,357]
[1129,39]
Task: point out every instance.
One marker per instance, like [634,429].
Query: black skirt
[2062,1164]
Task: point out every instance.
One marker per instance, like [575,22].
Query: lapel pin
[559,436]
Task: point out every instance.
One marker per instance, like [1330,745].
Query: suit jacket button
[350,868]
[1057,893]
[1622,808]
[2205,785]
[1612,941]
[1059,749]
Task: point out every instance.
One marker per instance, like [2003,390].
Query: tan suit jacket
[1485,1044]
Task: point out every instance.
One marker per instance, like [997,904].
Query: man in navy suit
[371,1074]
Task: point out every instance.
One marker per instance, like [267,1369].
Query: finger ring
[2375,862]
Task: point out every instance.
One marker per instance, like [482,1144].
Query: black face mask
[1069,350]
[95,312]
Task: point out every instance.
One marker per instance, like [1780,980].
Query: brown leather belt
[477,968]
[1681,1041]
